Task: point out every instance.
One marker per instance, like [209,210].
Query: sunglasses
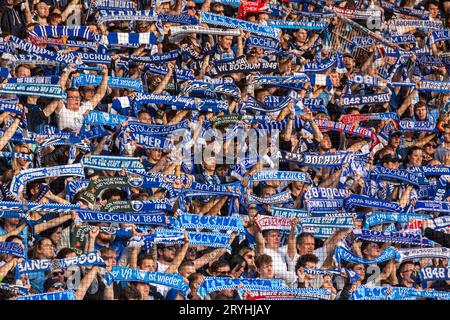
[171,248]
[431,145]
[191,8]
[58,286]
[219,11]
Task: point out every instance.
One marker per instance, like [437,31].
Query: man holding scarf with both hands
[131,169]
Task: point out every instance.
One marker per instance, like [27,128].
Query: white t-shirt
[72,119]
[281,262]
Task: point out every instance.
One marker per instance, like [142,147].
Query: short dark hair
[186,263]
[109,193]
[304,259]
[142,257]
[130,293]
[430,2]
[64,252]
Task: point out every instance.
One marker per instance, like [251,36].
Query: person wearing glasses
[250,270]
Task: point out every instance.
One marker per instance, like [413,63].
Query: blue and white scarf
[377,218]
[432,274]
[395,237]
[103,118]
[224,21]
[35,80]
[261,42]
[306,25]
[20,180]
[432,206]
[342,253]
[315,159]
[41,90]
[283,197]
[211,284]
[11,248]
[382,173]
[113,82]
[83,260]
[138,206]
[355,200]
[434,86]
[428,24]
[123,217]
[354,100]
[175,281]
[240,64]
[418,253]
[60,295]
[112,163]
[398,293]
[108,15]
[280,176]
[196,221]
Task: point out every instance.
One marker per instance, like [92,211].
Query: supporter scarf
[108,15]
[290,294]
[273,223]
[439,35]
[44,53]
[434,86]
[423,24]
[382,173]
[41,90]
[405,11]
[197,221]
[223,121]
[377,218]
[84,260]
[151,141]
[224,21]
[11,248]
[395,237]
[25,176]
[202,86]
[208,239]
[280,212]
[306,25]
[354,100]
[329,222]
[60,295]
[58,31]
[433,274]
[342,253]
[380,293]
[113,82]
[29,58]
[216,189]
[49,207]
[181,74]
[241,65]
[39,41]
[11,107]
[315,159]
[178,18]
[356,14]
[255,105]
[137,206]
[211,284]
[123,217]
[346,128]
[431,170]
[320,67]
[439,223]
[265,43]
[151,129]
[432,206]
[280,176]
[180,31]
[119,38]
[97,117]
[14,289]
[426,126]
[356,200]
[414,253]
[112,163]
[351,118]
[175,281]
[282,81]
[15,155]
[35,80]
[282,197]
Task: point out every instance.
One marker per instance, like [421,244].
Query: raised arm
[86,283]
[180,256]
[102,88]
